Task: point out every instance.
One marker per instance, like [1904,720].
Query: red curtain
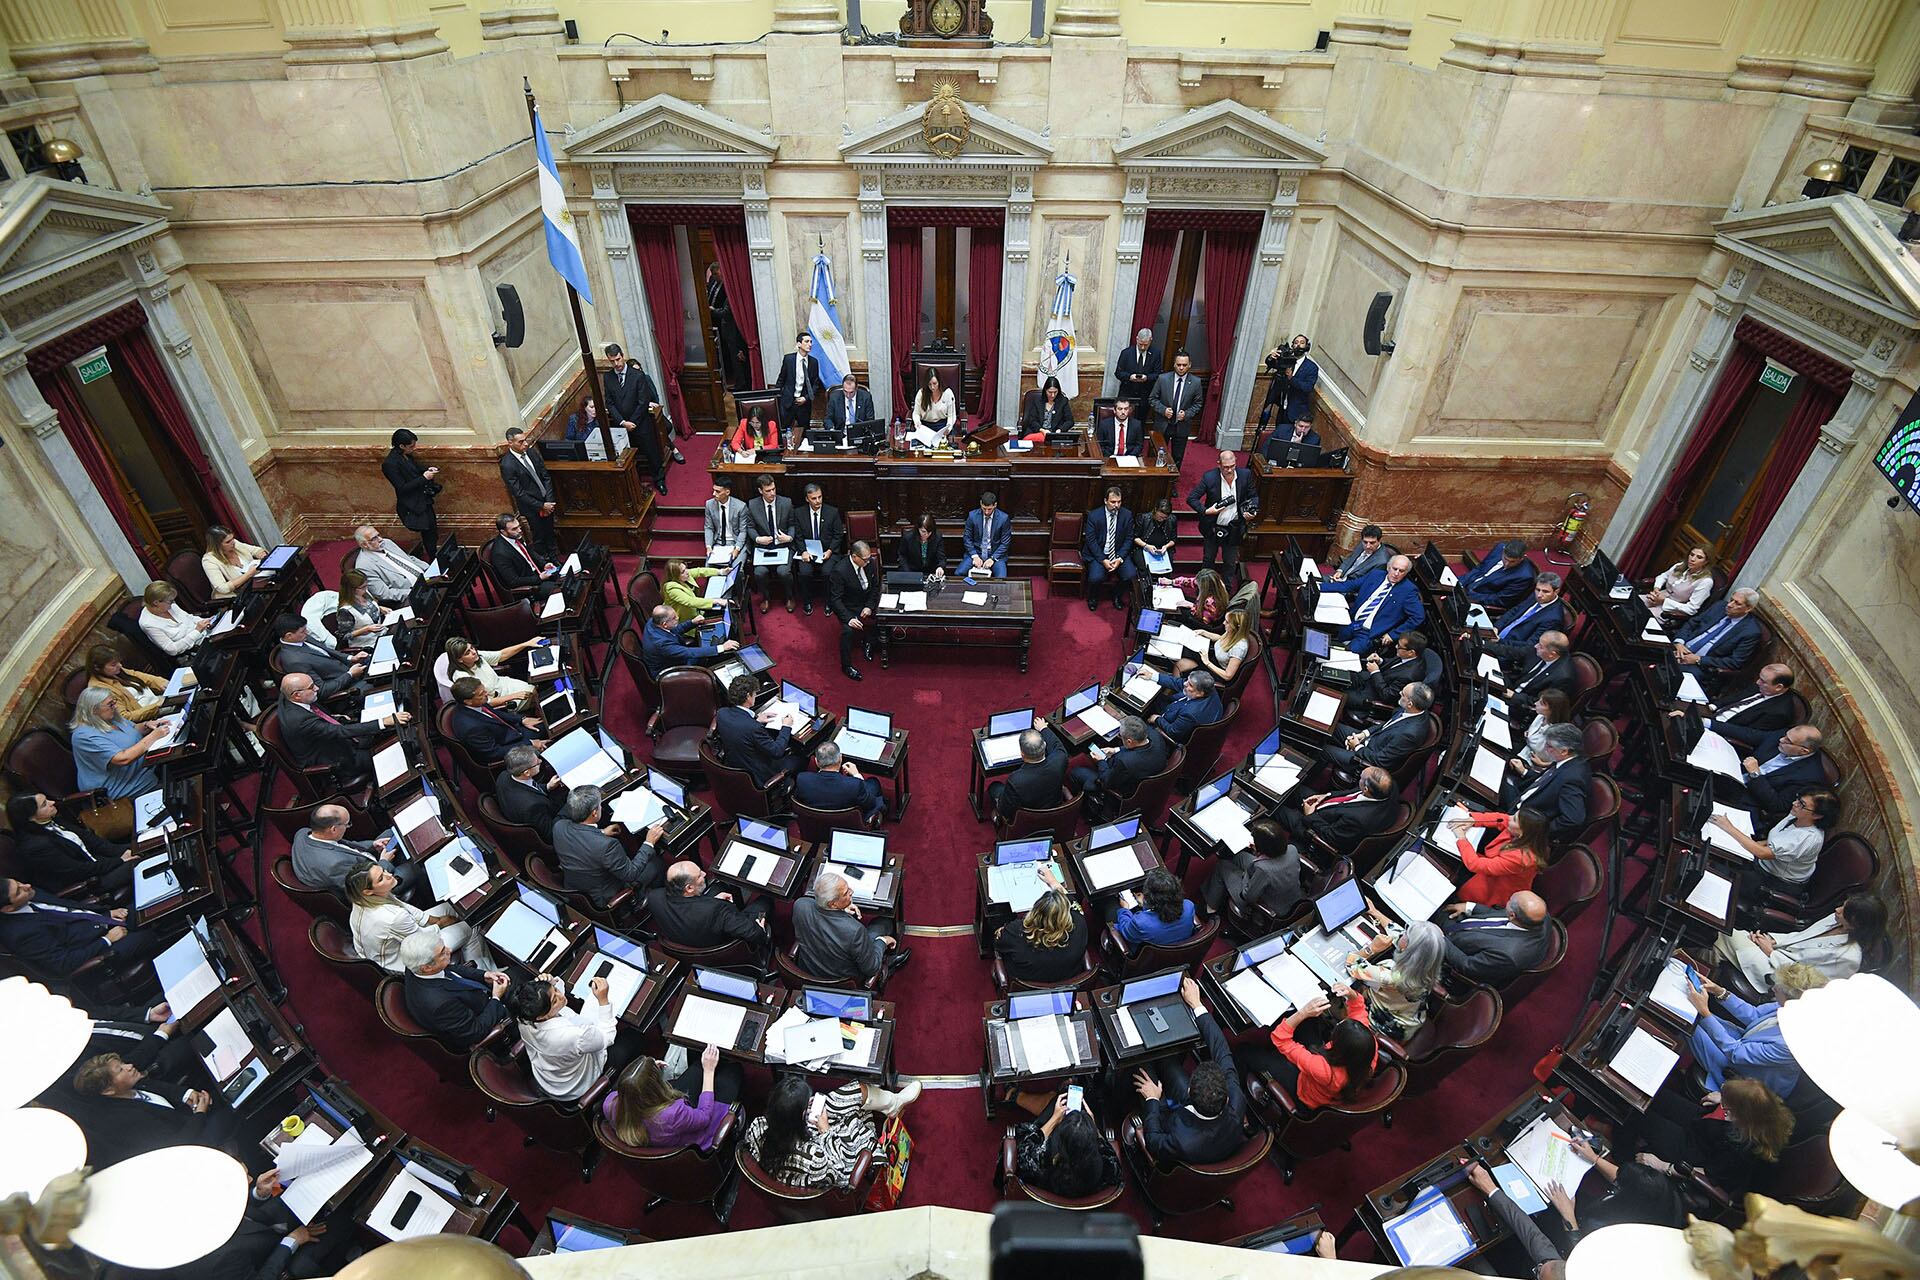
[1743,367]
[736,274]
[903,307]
[660,273]
[1228,259]
[1156,265]
[136,354]
[1790,453]
[78,429]
[983,314]
[933,216]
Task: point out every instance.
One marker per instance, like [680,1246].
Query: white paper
[1712,895]
[1431,1233]
[1322,708]
[153,881]
[390,762]
[1111,866]
[1721,840]
[1278,775]
[1478,617]
[1670,991]
[1690,690]
[1261,1002]
[1124,460]
[1332,608]
[1340,658]
[1100,720]
[1654,633]
[1447,576]
[705,1021]
[377,706]
[860,746]
[231,1044]
[1309,571]
[973,597]
[1544,1151]
[186,978]
[866,1039]
[1143,688]
[1416,889]
[719,557]
[1226,822]
[1018,884]
[1716,755]
[637,808]
[623,982]
[913,602]
[555,606]
[888,600]
[1168,598]
[1497,731]
[1489,769]
[1644,1062]
[177,682]
[1165,647]
[1489,667]
[1004,749]
[734,860]
[320,1176]
[450,884]
[777,1031]
[1288,974]
[423,809]
[1123,1023]
[224,623]
[1041,1044]
[433,1211]
[1442,833]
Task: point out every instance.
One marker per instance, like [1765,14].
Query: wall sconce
[1910,229]
[63,157]
[1822,177]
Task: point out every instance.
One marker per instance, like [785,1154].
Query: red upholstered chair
[688,702]
[450,1065]
[126,621]
[819,824]
[864,526]
[1805,1175]
[1004,982]
[1203,749]
[189,576]
[1516,989]
[1150,799]
[1154,956]
[72,687]
[1012,1186]
[1574,880]
[787,967]
[1847,864]
[1062,821]
[1588,678]
[1372,848]
[515,842]
[734,791]
[10,868]
[315,900]
[680,1175]
[1457,1024]
[1188,1188]
[334,944]
[43,759]
[1603,811]
[477,775]
[643,682]
[792,1203]
[736,954]
[497,591]
[1230,689]
[502,1074]
[546,874]
[501,627]
[312,781]
[1302,1132]
[1063,550]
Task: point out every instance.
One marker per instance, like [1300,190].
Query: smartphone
[817,1108]
[1074,1096]
[542,642]
[1693,979]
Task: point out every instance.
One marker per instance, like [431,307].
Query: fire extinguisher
[1559,548]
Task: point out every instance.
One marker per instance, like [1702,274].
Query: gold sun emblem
[945,124]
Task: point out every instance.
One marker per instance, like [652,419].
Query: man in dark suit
[1117,771]
[1193,1119]
[667,642]
[322,855]
[1040,778]
[632,401]
[770,528]
[456,1001]
[1136,371]
[837,783]
[689,911]
[1720,640]
[522,798]
[831,939]
[1175,405]
[1389,673]
[56,936]
[335,671]
[1384,602]
[850,404]
[486,732]
[515,564]
[414,489]
[1391,743]
[315,736]
[1106,546]
[1286,435]
[127,1112]
[799,383]
[1552,668]
[747,744]
[1197,703]
[1555,783]
[50,851]
[1343,821]
[1368,554]
[531,489]
[1301,379]
[1225,501]
[988,537]
[815,521]
[1266,876]
[1124,435]
[1503,579]
[1795,764]
[1522,625]
[1756,720]
[853,594]
[1493,946]
[592,859]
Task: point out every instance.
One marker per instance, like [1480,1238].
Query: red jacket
[1320,1081]
[1499,871]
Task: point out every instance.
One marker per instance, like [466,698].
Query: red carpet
[940,697]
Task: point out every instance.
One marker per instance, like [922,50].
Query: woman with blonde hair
[107,756]
[1682,589]
[1227,651]
[135,693]
[229,563]
[1049,943]
[677,589]
[1211,599]
[379,920]
[648,1107]
[172,629]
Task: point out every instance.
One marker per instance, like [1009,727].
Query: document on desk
[1043,1044]
[913,602]
[1277,774]
[1308,570]
[1712,895]
[186,978]
[390,762]
[1289,975]
[456,869]
[1261,1002]
[1430,1232]
[1478,617]
[1489,668]
[1544,1151]
[153,881]
[1110,867]
[1332,607]
[855,745]
[623,982]
[555,606]
[223,624]
[973,597]
[231,1045]
[860,1053]
[1226,822]
[889,600]
[637,808]
[777,1031]
[1168,598]
[706,1021]
[1123,1023]
[423,809]
[1447,576]
[1654,633]
[748,862]
[1322,708]
[1185,637]
[1443,836]
[1670,991]
[426,1210]
[1126,461]
[1489,769]
[1644,1061]
[377,706]
[1497,731]
[1100,720]
[177,682]
[1004,749]
[1716,755]
[810,1040]
[1018,885]
[1690,690]
[315,1166]
[1724,841]
[519,930]
[1165,647]
[1415,889]
[1143,688]
[1341,659]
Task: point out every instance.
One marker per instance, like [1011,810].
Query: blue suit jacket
[1400,610]
[1520,627]
[1732,647]
[1185,714]
[489,734]
[819,789]
[1774,793]
[1494,585]
[661,648]
[1300,385]
[1137,925]
[988,544]
[1175,1133]
[1093,545]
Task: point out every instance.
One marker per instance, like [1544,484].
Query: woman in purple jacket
[648,1110]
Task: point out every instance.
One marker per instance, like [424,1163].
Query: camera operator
[1290,387]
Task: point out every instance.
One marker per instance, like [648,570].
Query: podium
[613,501]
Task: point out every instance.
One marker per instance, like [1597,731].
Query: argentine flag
[1058,351]
[823,322]
[563,246]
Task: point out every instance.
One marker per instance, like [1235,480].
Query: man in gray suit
[592,859]
[390,571]
[770,528]
[834,943]
[322,855]
[1266,876]
[1491,946]
[726,524]
[336,672]
[1175,405]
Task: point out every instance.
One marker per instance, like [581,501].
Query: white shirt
[1374,601]
[568,1052]
[937,415]
[1229,503]
[177,634]
[378,931]
[1684,595]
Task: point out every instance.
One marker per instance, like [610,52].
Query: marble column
[70,39]
[1842,44]
[1256,312]
[1126,280]
[1087,18]
[1016,248]
[1772,43]
[1836,438]
[1888,101]
[31,410]
[1384,24]
[806,17]
[775,338]
[877,307]
[636,322]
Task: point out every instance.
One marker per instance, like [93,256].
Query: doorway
[1718,505]
[1181,313]
[159,493]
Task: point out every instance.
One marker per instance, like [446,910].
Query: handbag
[110,820]
[892,1152]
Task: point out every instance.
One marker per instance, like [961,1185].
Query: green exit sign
[95,369]
[1771,376]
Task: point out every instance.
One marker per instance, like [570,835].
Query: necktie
[1538,667]
[1374,601]
[155,1099]
[1178,383]
[1532,609]
[465,984]
[521,547]
[315,708]
[771,527]
[78,914]
[1713,633]
[816,524]
[724,539]
[1112,529]
[1346,799]
[861,570]
[1488,923]
[850,412]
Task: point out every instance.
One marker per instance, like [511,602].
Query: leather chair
[1188,1188]
[502,1074]
[477,775]
[1603,811]
[1062,821]
[1574,880]
[1005,983]
[490,587]
[73,686]
[126,621]
[1236,687]
[792,1203]
[864,526]
[333,943]
[688,702]
[736,954]
[449,1064]
[513,841]
[501,627]
[681,1175]
[547,875]
[189,577]
[1599,740]
[1516,989]
[734,791]
[315,900]
[1150,798]
[1255,921]
[1455,1027]
[1011,1185]
[1153,956]
[644,684]
[1303,1132]
[1369,849]
[10,868]
[1063,550]
[819,824]
[287,821]
[1203,749]
[1847,864]
[787,967]
[43,760]
[312,781]
[1588,678]
[1806,1176]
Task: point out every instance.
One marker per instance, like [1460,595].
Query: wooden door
[1183,313]
[1718,505]
[154,482]
[703,381]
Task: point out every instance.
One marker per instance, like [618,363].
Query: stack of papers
[186,976]
[623,982]
[1495,729]
[1112,866]
[1690,690]
[777,714]
[1043,1042]
[1442,834]
[455,870]
[1018,884]
[1716,755]
[637,808]
[1448,578]
[1489,769]
[1277,774]
[1430,1232]
[1644,1062]
[1340,658]
[1332,608]
[390,762]
[748,862]
[1488,668]
[1168,598]
[377,706]
[1157,562]
[1309,571]
[1100,720]
[1654,633]
[913,602]
[1670,991]
[1143,688]
[1226,822]
[1262,1003]
[1415,889]
[1719,839]
[153,881]
[1289,975]
[1712,895]
[177,682]
[1322,708]
[1544,1152]
[973,597]
[315,1166]
[705,1021]
[1004,749]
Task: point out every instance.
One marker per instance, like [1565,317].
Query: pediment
[47,226]
[991,139]
[1222,135]
[669,129]
[1839,245]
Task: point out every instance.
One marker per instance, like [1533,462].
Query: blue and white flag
[1059,354]
[563,246]
[823,322]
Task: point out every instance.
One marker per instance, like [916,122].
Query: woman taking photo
[135,694]
[1399,976]
[648,1109]
[923,551]
[815,1140]
[1509,862]
[1044,410]
[229,563]
[755,433]
[1049,943]
[933,408]
[1065,1154]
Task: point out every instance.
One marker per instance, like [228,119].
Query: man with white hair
[1720,640]
[1384,602]
[458,1002]
[390,571]
[834,942]
[592,859]
[1139,365]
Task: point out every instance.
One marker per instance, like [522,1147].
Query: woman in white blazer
[1682,589]
[162,621]
[229,563]
[1835,944]
[380,921]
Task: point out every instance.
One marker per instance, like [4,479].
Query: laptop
[836,1004]
[857,848]
[1040,1004]
[667,788]
[721,983]
[1079,700]
[762,833]
[1339,905]
[1113,833]
[1007,853]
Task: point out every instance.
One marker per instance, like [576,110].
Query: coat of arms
[945,124]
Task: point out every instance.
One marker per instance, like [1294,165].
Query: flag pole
[579,321]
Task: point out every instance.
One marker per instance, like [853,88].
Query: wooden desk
[333,1108]
[1299,502]
[892,765]
[989,914]
[645,1006]
[999,1068]
[572,924]
[883,898]
[1005,621]
[878,1068]
[1144,851]
[483,1208]
[613,501]
[1106,1003]
[770,997]
[781,880]
[1182,828]
[1587,1065]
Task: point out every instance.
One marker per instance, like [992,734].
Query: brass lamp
[1910,228]
[63,157]
[1822,177]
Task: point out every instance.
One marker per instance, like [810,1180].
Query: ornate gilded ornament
[945,125]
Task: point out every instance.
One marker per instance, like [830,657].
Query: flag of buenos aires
[563,245]
[823,322]
[1059,354]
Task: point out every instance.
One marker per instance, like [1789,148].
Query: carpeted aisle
[940,696]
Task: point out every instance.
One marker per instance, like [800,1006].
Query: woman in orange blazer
[755,432]
[1510,860]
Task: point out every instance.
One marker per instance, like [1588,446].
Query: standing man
[1176,405]
[1295,377]
[988,537]
[770,525]
[1123,435]
[1105,548]
[818,532]
[799,380]
[1139,365]
[853,594]
[531,490]
[1226,502]
[632,401]
[726,332]
[414,488]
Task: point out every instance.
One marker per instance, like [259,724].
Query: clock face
[946,16]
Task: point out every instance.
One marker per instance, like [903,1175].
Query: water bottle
[1160,458]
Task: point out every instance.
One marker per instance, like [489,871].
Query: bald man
[692,912]
[323,855]
[314,736]
[1495,946]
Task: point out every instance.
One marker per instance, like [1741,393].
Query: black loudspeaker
[516,320]
[573,31]
[1321,41]
[1035,1242]
[1376,323]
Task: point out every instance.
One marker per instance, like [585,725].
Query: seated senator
[649,1108]
[837,783]
[487,733]
[1164,915]
[1065,1154]
[459,1002]
[1320,1058]
[819,1149]
[1049,943]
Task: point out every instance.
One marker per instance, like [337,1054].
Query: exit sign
[95,369]
[1772,376]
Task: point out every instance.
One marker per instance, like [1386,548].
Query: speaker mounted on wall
[1376,324]
[511,315]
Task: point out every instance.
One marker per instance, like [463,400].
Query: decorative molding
[1702,360]
[1199,66]
[1237,186]
[527,20]
[67,291]
[1883,349]
[1841,321]
[1724,306]
[1834,444]
[1223,135]
[361,46]
[1736,277]
[665,130]
[992,140]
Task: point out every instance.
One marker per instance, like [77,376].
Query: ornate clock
[946,22]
